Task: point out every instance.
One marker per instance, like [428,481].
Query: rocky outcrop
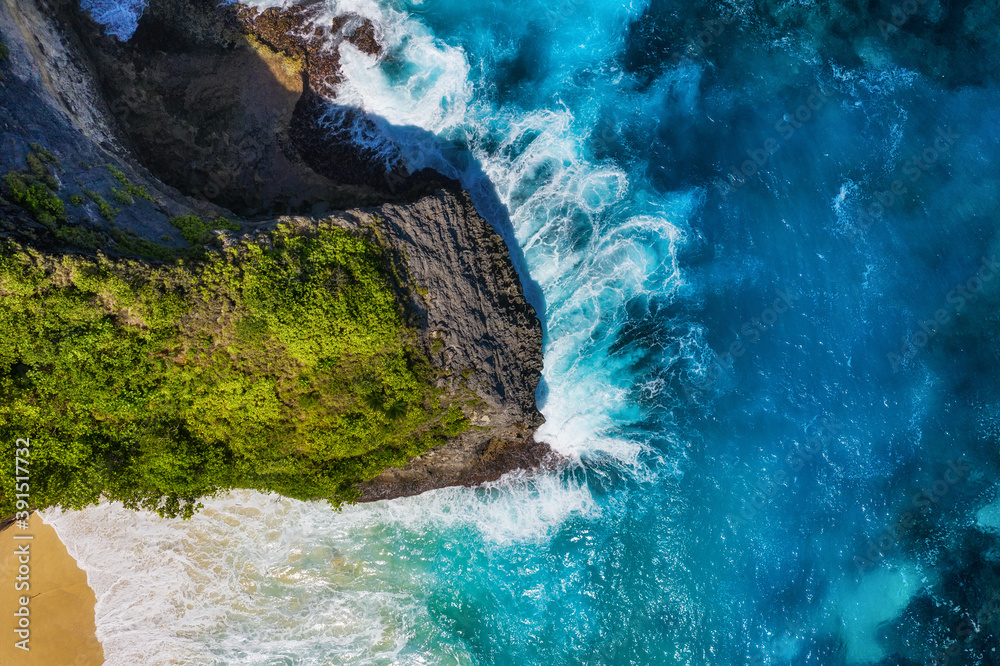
[478,329]
[199,113]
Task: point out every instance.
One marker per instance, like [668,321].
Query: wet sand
[61,604]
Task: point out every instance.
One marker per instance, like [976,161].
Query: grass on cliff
[34,187]
[285,368]
[131,189]
[198,231]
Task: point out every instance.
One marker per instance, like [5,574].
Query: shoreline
[61,605]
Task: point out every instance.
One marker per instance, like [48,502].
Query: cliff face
[479,331]
[204,117]
[49,97]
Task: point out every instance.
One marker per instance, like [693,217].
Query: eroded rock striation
[478,329]
[213,114]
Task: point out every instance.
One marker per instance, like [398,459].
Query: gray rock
[477,327]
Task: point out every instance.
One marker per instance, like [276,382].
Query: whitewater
[719,314]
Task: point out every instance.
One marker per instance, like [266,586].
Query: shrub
[130,187]
[80,236]
[128,242]
[34,188]
[107,211]
[197,231]
[122,197]
[42,154]
[34,197]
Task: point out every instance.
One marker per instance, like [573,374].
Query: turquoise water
[766,266]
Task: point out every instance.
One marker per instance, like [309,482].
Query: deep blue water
[780,457]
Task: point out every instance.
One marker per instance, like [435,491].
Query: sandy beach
[61,605]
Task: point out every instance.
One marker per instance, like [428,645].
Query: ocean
[762,240]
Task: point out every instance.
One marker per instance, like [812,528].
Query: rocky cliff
[210,114]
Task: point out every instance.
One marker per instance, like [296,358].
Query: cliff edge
[200,137]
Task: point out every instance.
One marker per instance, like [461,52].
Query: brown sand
[61,604]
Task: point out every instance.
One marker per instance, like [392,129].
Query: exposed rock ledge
[59,90]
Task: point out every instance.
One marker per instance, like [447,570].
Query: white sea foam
[255,578]
[553,195]
[432,93]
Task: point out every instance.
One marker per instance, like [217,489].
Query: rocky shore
[213,113]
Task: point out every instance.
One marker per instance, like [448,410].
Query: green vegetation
[132,189]
[107,211]
[128,242]
[122,197]
[37,171]
[81,237]
[197,231]
[42,154]
[34,188]
[286,369]
[33,195]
